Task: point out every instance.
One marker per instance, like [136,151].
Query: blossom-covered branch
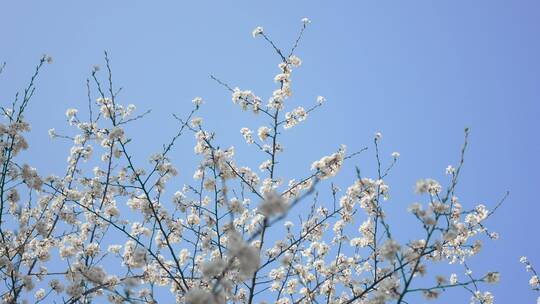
[110,229]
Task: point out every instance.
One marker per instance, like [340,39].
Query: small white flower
[281,77]
[306,20]
[295,61]
[40,294]
[70,113]
[395,154]
[265,165]
[52,133]
[116,133]
[257,31]
[196,122]
[115,249]
[193,219]
[263,133]
[493,277]
[197,101]
[428,185]
[534,282]
[247,135]
[378,136]
[494,236]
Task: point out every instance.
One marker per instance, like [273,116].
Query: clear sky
[418,71]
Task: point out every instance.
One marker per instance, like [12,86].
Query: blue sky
[418,71]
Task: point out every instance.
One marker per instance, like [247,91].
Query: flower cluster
[329,166]
[534,281]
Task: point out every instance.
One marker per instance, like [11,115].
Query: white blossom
[197,101]
[329,165]
[263,133]
[247,133]
[257,31]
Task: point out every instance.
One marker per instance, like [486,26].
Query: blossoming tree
[209,242]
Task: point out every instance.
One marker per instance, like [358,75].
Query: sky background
[417,71]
